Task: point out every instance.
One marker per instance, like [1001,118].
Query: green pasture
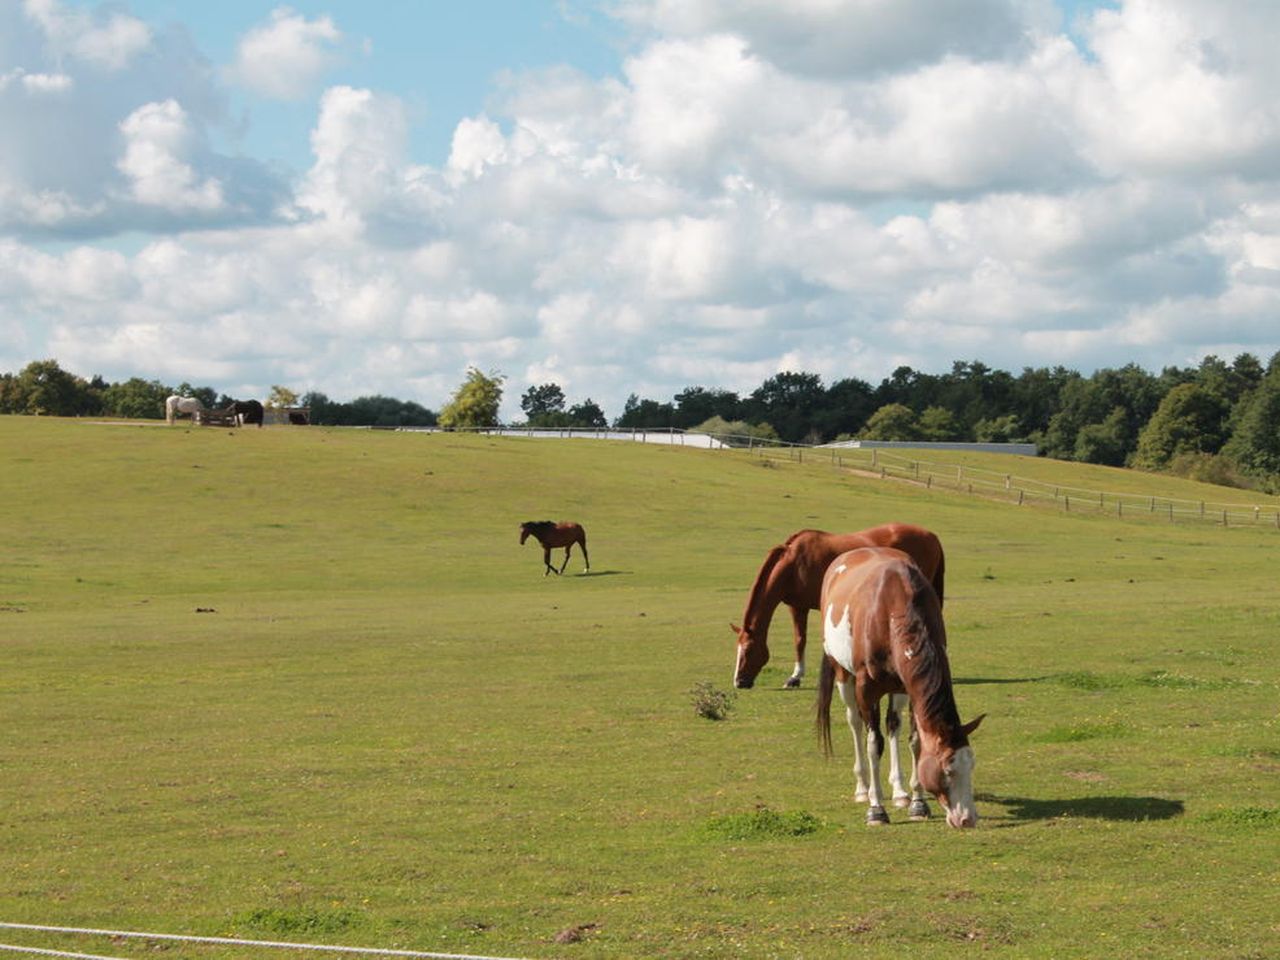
[304,684]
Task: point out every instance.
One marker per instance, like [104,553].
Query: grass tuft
[292,922]
[1075,733]
[1243,817]
[761,824]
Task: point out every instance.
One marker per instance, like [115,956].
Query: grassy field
[304,684]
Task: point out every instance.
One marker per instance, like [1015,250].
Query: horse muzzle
[743,684]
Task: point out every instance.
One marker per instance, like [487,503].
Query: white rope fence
[223,941]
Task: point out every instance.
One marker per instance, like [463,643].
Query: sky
[633,196]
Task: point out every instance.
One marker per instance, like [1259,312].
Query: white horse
[186,406]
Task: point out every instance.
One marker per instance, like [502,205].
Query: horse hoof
[793,683]
[919,810]
[901,802]
[876,817]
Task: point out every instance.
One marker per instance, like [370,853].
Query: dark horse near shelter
[882,634]
[792,574]
[247,411]
[551,534]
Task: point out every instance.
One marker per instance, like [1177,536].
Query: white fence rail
[972,480]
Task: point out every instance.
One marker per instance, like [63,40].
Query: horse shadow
[603,573]
[966,681]
[1119,809]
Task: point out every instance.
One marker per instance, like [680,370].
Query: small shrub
[710,703]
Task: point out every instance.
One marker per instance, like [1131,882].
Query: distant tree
[43,387]
[475,403]
[1255,442]
[893,421]
[136,398]
[847,405]
[1105,443]
[1188,420]
[789,401]
[587,414]
[695,405]
[937,423]
[645,414]
[543,405]
[1004,429]
[281,397]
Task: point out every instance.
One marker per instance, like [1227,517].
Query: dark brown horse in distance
[551,534]
[792,574]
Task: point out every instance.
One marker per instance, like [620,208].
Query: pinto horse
[792,574]
[882,633]
[551,534]
[175,406]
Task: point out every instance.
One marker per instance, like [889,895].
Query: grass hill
[304,684]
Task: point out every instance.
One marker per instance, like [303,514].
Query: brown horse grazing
[882,633]
[551,534]
[792,574]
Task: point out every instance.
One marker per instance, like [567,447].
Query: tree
[997,430]
[541,404]
[938,423]
[587,414]
[1103,442]
[1255,443]
[642,414]
[1188,420]
[281,397]
[43,387]
[893,421]
[136,398]
[475,403]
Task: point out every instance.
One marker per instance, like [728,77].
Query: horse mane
[538,526]
[762,577]
[920,629]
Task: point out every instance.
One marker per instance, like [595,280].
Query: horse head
[946,771]
[524,532]
[753,654]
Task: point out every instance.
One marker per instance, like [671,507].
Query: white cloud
[158,143]
[761,188]
[108,39]
[284,58]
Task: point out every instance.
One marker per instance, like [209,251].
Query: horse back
[875,603]
[810,553]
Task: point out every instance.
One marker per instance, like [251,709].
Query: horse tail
[822,715]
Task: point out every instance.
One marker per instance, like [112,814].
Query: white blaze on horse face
[837,638]
[961,812]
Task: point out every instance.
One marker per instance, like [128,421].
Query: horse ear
[734,627]
[972,725]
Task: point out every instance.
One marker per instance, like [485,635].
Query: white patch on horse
[960,789]
[837,638]
[841,569]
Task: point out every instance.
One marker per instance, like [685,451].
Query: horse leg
[855,727]
[919,809]
[585,559]
[800,627]
[567,550]
[893,724]
[875,746]
[546,559]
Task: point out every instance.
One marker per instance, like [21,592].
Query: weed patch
[1165,680]
[1251,817]
[292,922]
[761,824]
[1085,680]
[709,702]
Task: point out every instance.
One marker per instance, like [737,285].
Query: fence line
[992,483]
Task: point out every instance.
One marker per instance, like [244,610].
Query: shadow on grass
[603,573]
[967,681]
[1123,809]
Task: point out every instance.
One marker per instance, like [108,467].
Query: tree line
[1214,421]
